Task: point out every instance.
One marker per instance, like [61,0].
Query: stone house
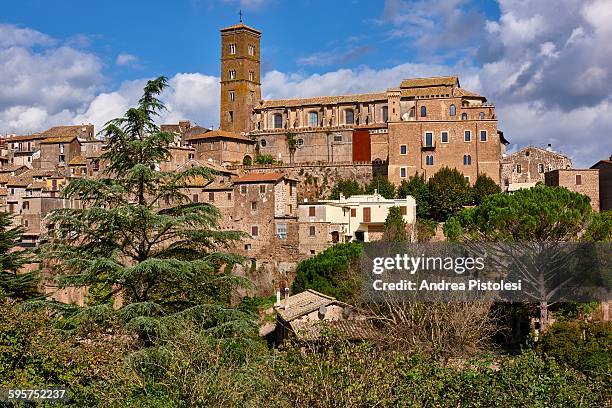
[359,217]
[583,181]
[24,150]
[307,315]
[605,183]
[265,208]
[527,166]
[222,147]
[59,151]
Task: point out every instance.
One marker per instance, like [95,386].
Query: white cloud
[125,59]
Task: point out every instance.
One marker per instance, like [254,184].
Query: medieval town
[275,165]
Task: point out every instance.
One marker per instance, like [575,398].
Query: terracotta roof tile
[58,139]
[69,131]
[303,303]
[218,134]
[259,177]
[35,136]
[465,92]
[429,82]
[77,161]
[18,182]
[322,100]
[240,26]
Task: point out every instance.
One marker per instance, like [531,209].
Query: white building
[359,217]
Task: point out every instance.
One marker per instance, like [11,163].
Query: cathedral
[417,127]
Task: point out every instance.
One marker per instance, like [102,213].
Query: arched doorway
[335,236]
[247,161]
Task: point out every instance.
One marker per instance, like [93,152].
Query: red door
[361,146]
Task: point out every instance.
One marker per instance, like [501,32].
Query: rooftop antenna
[240,14]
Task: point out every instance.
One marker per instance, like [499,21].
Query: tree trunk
[543,317]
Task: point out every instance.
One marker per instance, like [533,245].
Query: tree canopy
[416,186]
[14,283]
[381,184]
[347,188]
[395,226]
[484,187]
[449,191]
[138,236]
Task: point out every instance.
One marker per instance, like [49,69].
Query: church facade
[417,127]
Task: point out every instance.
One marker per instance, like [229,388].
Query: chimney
[549,148]
[278,298]
[286,298]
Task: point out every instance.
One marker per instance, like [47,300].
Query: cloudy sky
[547,65]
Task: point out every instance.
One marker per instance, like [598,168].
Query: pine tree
[13,283]
[139,236]
[395,226]
[484,187]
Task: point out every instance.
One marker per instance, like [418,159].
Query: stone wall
[317,179]
[529,164]
[583,181]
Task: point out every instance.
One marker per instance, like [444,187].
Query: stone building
[59,151]
[222,147]
[583,181]
[422,125]
[605,183]
[240,77]
[527,166]
[360,217]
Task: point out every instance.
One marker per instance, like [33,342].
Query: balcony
[428,145]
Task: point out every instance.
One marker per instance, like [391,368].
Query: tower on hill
[240,77]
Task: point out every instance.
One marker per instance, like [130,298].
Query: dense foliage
[395,226]
[331,272]
[14,282]
[484,187]
[416,186]
[347,188]
[600,228]
[264,159]
[382,185]
[449,192]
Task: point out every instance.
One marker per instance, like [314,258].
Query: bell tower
[240,77]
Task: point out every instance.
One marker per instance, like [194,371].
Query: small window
[211,196]
[247,247]
[232,74]
[299,143]
[467,136]
[423,111]
[229,196]
[402,172]
[349,116]
[403,209]
[61,158]
[251,75]
[26,223]
[232,96]
[281,231]
[311,211]
[385,114]
[467,178]
[483,135]
[464,116]
[254,231]
[26,205]
[337,138]
[428,139]
[253,206]
[195,198]
[527,153]
[251,49]
[312,231]
[278,121]
[518,168]
[540,168]
[232,49]
[578,179]
[313,119]
[262,189]
[429,160]
[243,189]
[453,110]
[444,137]
[353,212]
[481,115]
[230,116]
[467,160]
[403,149]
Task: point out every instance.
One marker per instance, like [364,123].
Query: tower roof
[240,26]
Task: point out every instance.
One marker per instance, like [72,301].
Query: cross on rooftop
[240,13]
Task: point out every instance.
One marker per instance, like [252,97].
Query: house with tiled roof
[222,147]
[310,315]
[59,150]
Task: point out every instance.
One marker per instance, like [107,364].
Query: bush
[449,191]
[332,272]
[584,346]
[265,159]
[426,229]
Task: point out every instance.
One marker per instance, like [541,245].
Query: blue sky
[545,64]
